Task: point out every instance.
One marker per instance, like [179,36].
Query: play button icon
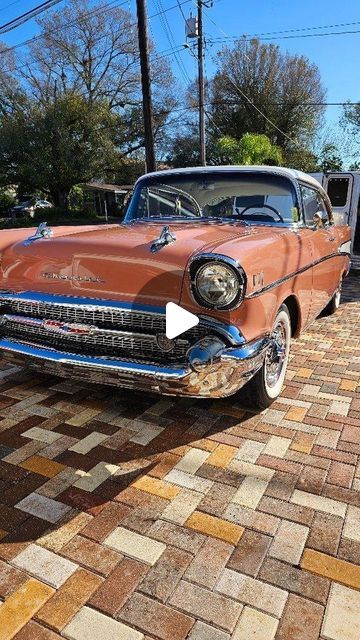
[178,320]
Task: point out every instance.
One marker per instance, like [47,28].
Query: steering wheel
[267,206]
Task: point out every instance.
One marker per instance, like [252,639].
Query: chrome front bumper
[212,370]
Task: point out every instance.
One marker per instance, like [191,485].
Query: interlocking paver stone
[333,568]
[252,592]
[301,620]
[67,601]
[352,524]
[209,562]
[44,435]
[21,606]
[91,555]
[155,618]
[134,545]
[289,542]
[249,553]
[43,507]
[342,619]
[112,594]
[319,502]
[45,565]
[255,624]
[163,577]
[250,492]
[293,579]
[202,631]
[208,606]
[182,506]
[216,527]
[88,624]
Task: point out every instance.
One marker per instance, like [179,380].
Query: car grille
[90,329]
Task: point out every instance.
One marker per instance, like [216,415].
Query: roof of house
[102,186]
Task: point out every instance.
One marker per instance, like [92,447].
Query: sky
[337,56]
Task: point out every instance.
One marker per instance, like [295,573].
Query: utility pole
[146,85]
[201,84]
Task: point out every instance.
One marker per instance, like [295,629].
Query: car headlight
[217,284]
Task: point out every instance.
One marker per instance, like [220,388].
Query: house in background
[107,199]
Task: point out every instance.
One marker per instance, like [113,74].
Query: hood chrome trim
[166,237]
[43,231]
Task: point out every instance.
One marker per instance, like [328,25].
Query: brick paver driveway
[125,516]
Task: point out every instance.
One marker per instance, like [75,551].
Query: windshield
[245,197]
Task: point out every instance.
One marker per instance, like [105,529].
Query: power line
[291,37]
[170,38]
[325,26]
[25,17]
[10,5]
[104,8]
[278,104]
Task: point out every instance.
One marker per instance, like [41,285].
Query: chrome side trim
[277,283]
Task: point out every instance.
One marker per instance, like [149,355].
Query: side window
[315,210]
[338,191]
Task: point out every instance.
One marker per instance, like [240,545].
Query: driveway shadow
[180,424]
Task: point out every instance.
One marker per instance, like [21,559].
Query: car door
[324,253]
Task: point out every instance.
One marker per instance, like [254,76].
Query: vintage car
[252,251]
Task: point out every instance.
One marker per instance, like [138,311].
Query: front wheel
[267,383]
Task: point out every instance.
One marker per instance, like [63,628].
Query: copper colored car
[252,251]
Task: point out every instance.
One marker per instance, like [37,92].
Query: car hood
[114,261]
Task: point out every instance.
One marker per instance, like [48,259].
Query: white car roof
[293,174]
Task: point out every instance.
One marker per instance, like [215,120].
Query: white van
[343,189]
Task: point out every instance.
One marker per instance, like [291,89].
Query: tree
[330,159]
[250,149]
[302,159]
[355,166]
[253,79]
[73,107]
[54,146]
[351,115]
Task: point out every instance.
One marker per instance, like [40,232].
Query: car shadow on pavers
[68,448]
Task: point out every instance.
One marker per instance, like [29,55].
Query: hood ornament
[166,237]
[43,231]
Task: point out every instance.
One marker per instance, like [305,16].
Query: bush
[55,216]
[6,202]
[58,214]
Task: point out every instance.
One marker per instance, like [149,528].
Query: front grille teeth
[116,333]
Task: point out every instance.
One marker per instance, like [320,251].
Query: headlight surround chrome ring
[217,282]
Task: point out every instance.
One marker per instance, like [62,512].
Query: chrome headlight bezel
[196,267]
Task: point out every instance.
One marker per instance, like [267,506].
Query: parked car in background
[28,207]
[251,251]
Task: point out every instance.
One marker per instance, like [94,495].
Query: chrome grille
[111,330]
[89,314]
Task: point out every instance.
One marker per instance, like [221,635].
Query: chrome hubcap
[276,355]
